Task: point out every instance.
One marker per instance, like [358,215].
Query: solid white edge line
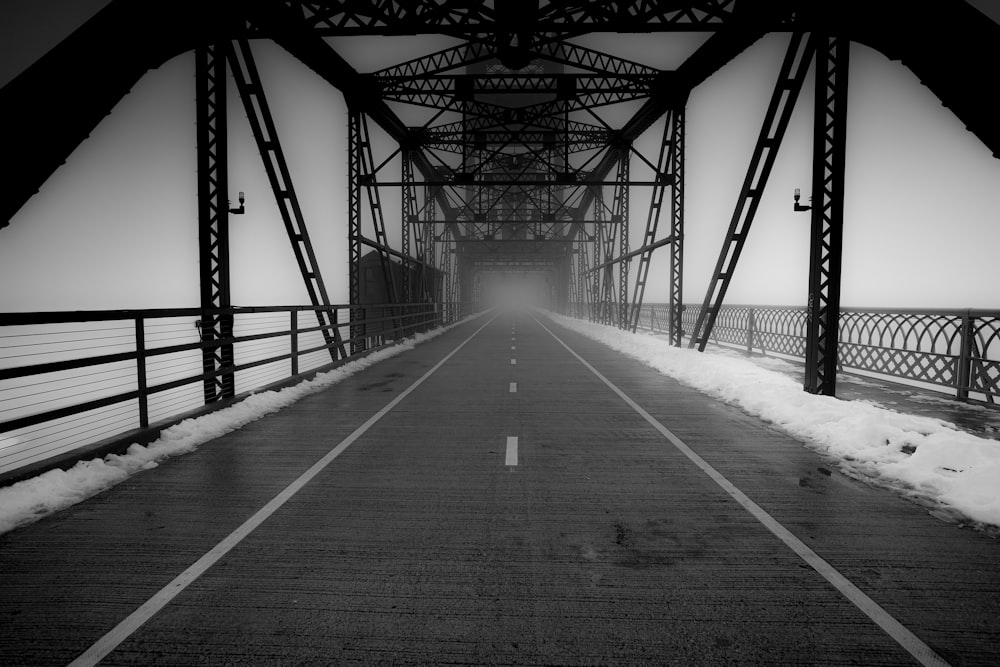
[110,641]
[511,450]
[923,653]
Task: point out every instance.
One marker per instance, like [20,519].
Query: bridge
[453,477]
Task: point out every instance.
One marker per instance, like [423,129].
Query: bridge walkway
[424,541]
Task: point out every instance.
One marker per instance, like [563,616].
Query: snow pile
[27,501]
[930,459]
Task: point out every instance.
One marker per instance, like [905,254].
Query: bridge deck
[604,544]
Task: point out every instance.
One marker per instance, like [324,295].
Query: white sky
[116,226]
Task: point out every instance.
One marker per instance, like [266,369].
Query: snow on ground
[930,460]
[27,501]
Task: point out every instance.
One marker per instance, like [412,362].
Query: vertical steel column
[354,169]
[448,281]
[675,327]
[436,285]
[586,284]
[409,218]
[663,178]
[213,219]
[367,178]
[829,130]
[621,214]
[596,303]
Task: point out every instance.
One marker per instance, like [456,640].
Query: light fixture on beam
[242,208]
[798,206]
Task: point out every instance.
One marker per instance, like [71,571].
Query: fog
[517,288]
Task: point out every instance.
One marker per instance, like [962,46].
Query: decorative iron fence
[70,381]
[951,349]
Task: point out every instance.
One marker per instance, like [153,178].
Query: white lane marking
[513,347]
[513,387]
[513,362]
[924,654]
[103,646]
[511,450]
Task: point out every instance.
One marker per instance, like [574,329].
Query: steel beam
[265,134]
[621,208]
[474,18]
[794,67]
[664,163]
[673,92]
[675,328]
[367,180]
[408,217]
[213,219]
[354,172]
[829,141]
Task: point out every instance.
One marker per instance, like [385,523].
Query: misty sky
[116,226]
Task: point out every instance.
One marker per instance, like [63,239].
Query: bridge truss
[517,169]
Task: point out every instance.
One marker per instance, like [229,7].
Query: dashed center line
[513,387]
[511,450]
[513,362]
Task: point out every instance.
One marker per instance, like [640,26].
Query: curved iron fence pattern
[953,349]
[74,379]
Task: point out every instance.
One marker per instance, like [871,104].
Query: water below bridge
[509,492]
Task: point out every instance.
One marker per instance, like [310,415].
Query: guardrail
[958,350]
[71,381]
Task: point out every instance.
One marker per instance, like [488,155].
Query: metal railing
[957,350]
[70,381]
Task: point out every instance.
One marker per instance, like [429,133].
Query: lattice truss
[499,146]
[516,166]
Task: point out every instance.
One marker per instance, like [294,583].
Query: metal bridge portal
[518,187]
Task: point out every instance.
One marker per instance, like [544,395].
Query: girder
[675,330]
[265,134]
[213,221]
[668,171]
[827,222]
[471,17]
[34,102]
[794,67]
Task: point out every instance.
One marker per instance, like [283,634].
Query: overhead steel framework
[517,167]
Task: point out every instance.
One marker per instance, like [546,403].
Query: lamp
[242,209]
[798,206]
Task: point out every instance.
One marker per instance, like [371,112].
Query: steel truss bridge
[510,490]
[516,168]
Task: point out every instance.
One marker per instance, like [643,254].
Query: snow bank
[930,459]
[27,501]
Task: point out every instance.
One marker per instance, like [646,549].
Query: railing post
[965,358]
[751,328]
[294,339]
[140,370]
